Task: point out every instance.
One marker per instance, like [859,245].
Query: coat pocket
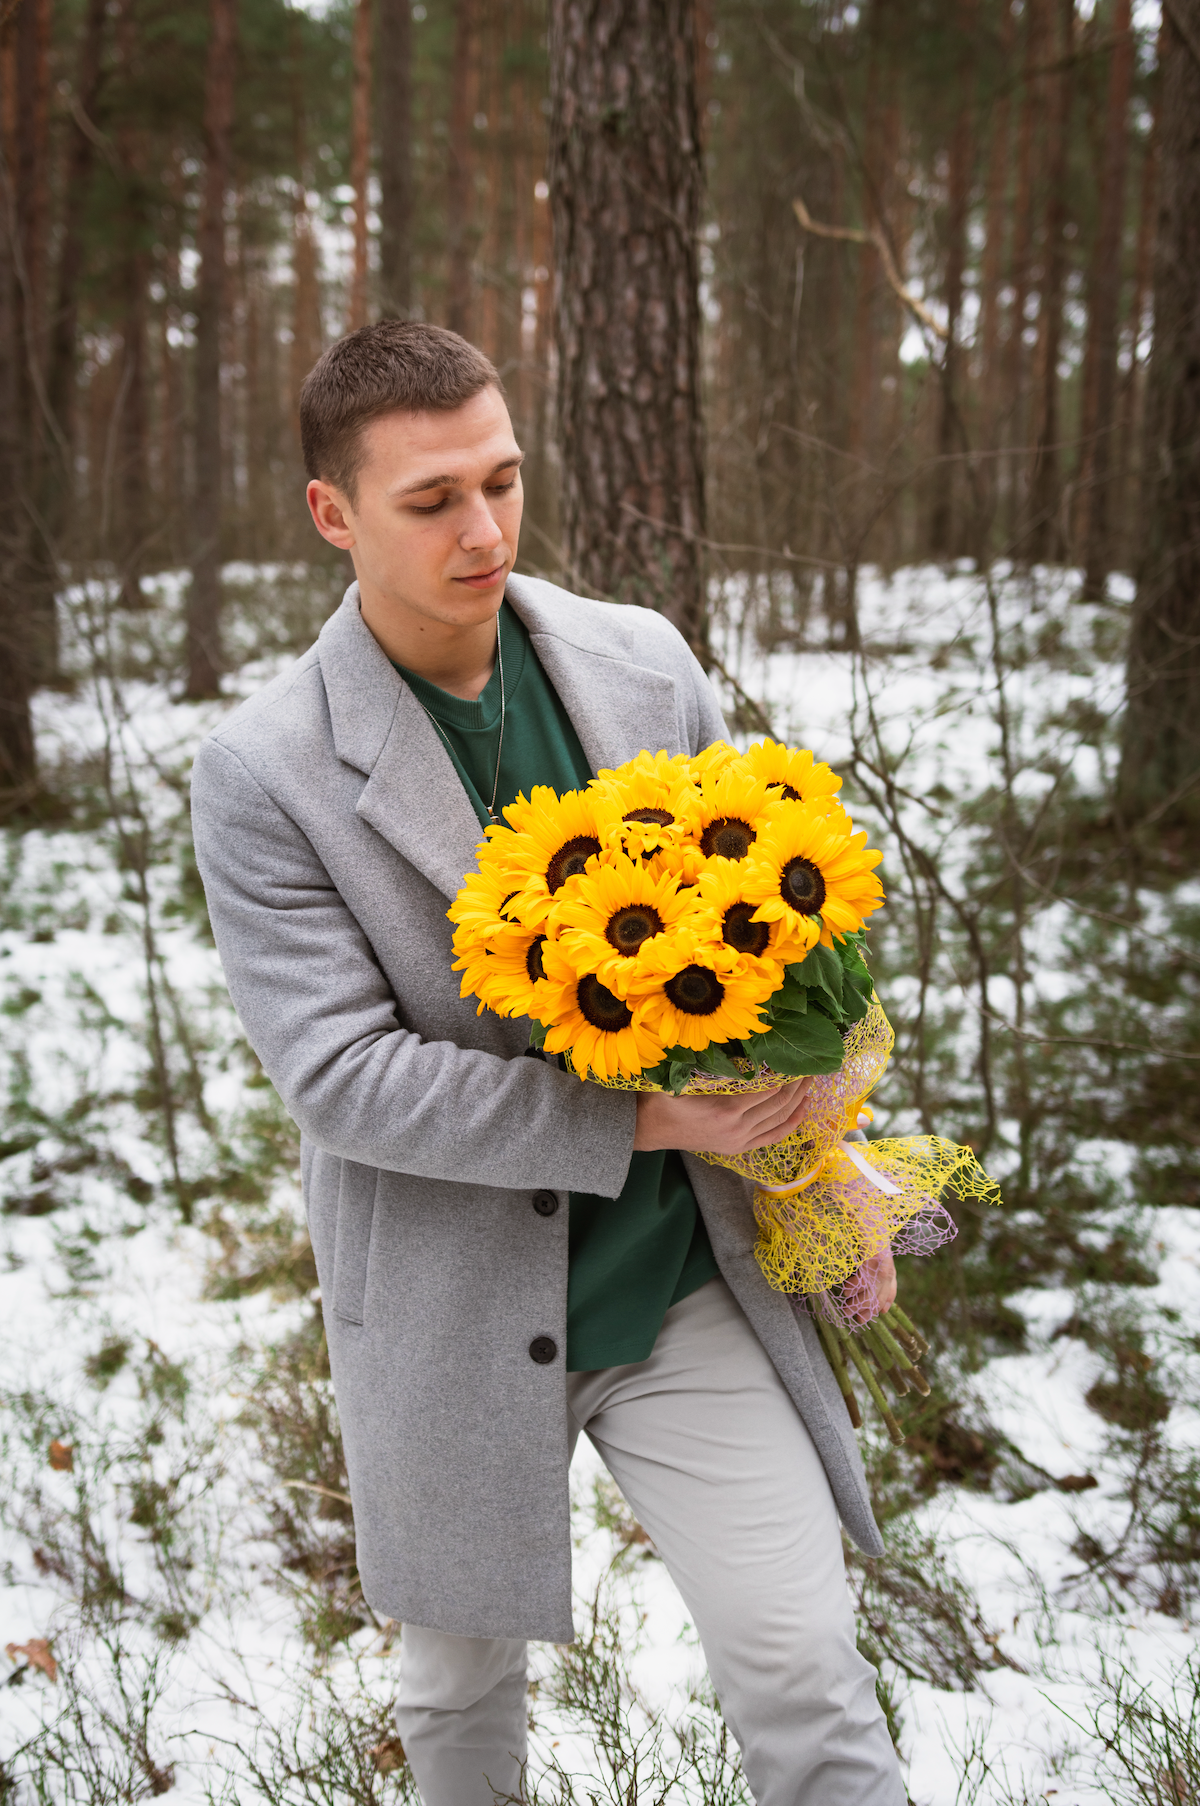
[352,1240]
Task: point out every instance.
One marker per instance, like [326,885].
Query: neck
[458,658]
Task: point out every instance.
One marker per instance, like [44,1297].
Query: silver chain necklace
[492,816]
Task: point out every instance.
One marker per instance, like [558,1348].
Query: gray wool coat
[332,832]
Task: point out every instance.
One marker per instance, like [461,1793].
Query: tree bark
[1160,760]
[38,562]
[458,183]
[1032,110]
[18,765]
[951,438]
[80,160]
[204,597]
[360,161]
[1104,312]
[131,482]
[393,104]
[1045,536]
[1132,384]
[996,219]
[626,185]
[307,331]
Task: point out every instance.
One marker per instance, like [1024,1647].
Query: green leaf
[856,999]
[537,1034]
[799,1046]
[716,1061]
[790,995]
[680,1072]
[821,969]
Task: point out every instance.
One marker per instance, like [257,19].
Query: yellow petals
[660,905]
[806,871]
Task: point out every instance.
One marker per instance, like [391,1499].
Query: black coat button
[543,1350]
[545,1203]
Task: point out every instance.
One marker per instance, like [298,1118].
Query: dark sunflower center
[570,861]
[801,885]
[695,991]
[728,838]
[663,817]
[533,959]
[629,927]
[599,1007]
[740,931]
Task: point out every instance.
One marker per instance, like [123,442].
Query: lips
[484,579]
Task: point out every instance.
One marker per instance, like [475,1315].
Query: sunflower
[684,862]
[643,807]
[609,1036]
[506,973]
[559,835]
[729,811]
[793,774]
[612,915]
[725,916]
[487,905]
[713,760]
[811,874]
[697,993]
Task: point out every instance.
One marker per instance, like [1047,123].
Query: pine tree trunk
[18,766]
[204,597]
[130,480]
[394,113]
[38,564]
[1160,755]
[458,183]
[1015,360]
[360,161]
[80,160]
[951,437]
[1104,312]
[626,184]
[1132,386]
[996,219]
[307,330]
[1045,537]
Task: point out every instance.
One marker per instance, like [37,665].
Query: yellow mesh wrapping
[834,1101]
[820,1211]
[755,1079]
[813,1239]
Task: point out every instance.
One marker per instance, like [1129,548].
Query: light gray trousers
[716,1464]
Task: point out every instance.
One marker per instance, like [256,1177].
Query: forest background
[862,340]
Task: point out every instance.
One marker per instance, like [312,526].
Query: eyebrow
[453,482]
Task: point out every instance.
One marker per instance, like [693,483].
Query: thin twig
[857,235]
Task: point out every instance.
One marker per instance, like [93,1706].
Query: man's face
[436,515]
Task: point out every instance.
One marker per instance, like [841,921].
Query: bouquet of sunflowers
[698,925]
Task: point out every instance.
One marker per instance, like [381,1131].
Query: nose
[480,533]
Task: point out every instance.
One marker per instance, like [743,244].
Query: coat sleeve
[319,1013]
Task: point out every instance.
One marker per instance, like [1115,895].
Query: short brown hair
[401,366]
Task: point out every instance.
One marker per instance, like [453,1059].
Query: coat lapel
[413,795]
[617,708]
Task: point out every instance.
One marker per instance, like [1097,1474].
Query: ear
[332,514]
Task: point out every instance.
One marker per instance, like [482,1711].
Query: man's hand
[880,1273]
[721,1124]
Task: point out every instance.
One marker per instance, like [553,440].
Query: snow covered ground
[151,1565]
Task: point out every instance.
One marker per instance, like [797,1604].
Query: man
[508,1257]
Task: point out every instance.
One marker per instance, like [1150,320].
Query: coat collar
[413,795]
